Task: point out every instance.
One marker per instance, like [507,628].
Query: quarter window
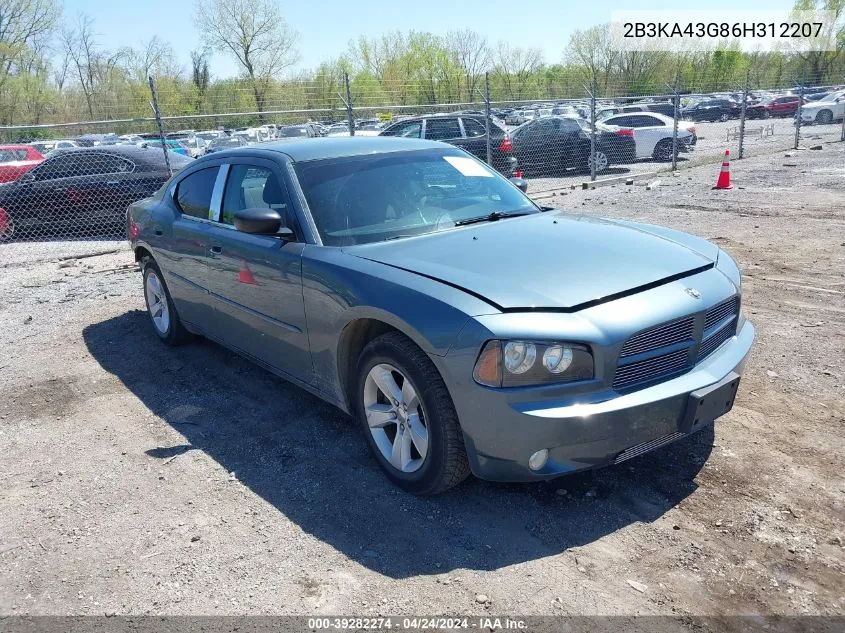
[193,193]
[250,187]
[474,128]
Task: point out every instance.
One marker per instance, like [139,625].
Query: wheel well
[353,339]
[141,253]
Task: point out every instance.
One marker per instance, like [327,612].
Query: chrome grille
[651,369]
[645,447]
[719,312]
[664,351]
[660,336]
[710,345]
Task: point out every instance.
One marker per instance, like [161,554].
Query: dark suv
[466,131]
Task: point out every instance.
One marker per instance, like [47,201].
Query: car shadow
[310,461]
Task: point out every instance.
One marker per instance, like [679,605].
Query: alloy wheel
[395,418]
[157,303]
[601,162]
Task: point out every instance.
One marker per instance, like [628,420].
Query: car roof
[306,149]
[151,155]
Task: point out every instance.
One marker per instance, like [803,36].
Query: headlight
[516,364]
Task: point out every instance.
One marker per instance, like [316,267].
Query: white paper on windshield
[468,166]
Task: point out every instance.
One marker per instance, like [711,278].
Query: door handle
[112,182]
[216,249]
[158,231]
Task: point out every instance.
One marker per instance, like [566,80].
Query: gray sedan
[465,327]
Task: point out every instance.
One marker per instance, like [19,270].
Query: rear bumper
[584,436]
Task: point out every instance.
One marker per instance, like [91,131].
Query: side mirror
[262,222]
[519,182]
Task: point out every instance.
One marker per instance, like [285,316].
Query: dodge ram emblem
[692,292]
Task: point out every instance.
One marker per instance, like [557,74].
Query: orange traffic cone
[245,274]
[724,179]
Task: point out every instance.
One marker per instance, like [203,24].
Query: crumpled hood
[548,260]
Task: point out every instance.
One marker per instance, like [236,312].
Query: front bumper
[584,436]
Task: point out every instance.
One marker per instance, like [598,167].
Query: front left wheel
[408,417]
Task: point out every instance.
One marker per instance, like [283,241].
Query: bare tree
[24,24]
[156,57]
[255,34]
[514,66]
[91,65]
[592,50]
[472,54]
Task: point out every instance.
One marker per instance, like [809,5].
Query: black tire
[445,464]
[724,117]
[175,334]
[767,114]
[824,117]
[663,150]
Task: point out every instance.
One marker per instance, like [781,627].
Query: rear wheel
[824,117]
[663,150]
[166,323]
[408,417]
[601,160]
[724,117]
[766,114]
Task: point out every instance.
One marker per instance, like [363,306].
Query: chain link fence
[73,180]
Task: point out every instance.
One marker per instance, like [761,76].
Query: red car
[774,106]
[16,160]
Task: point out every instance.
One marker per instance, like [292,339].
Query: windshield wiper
[492,217]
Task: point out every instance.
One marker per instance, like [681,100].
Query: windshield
[376,197]
[833,96]
[226,142]
[600,127]
[293,131]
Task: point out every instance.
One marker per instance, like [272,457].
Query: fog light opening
[538,459]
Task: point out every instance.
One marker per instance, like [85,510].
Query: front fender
[340,288]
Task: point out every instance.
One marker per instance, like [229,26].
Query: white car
[517,117]
[653,133]
[826,110]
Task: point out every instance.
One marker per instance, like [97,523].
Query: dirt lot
[141,479]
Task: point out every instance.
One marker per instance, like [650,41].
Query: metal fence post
[676,115]
[593,130]
[350,117]
[842,134]
[741,152]
[487,116]
[157,114]
[798,113]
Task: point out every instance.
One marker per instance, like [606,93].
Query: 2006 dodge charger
[466,327]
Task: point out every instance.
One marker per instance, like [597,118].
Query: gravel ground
[138,479]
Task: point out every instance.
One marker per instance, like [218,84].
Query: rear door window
[193,193]
[442,129]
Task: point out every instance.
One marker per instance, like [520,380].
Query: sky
[326,26]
